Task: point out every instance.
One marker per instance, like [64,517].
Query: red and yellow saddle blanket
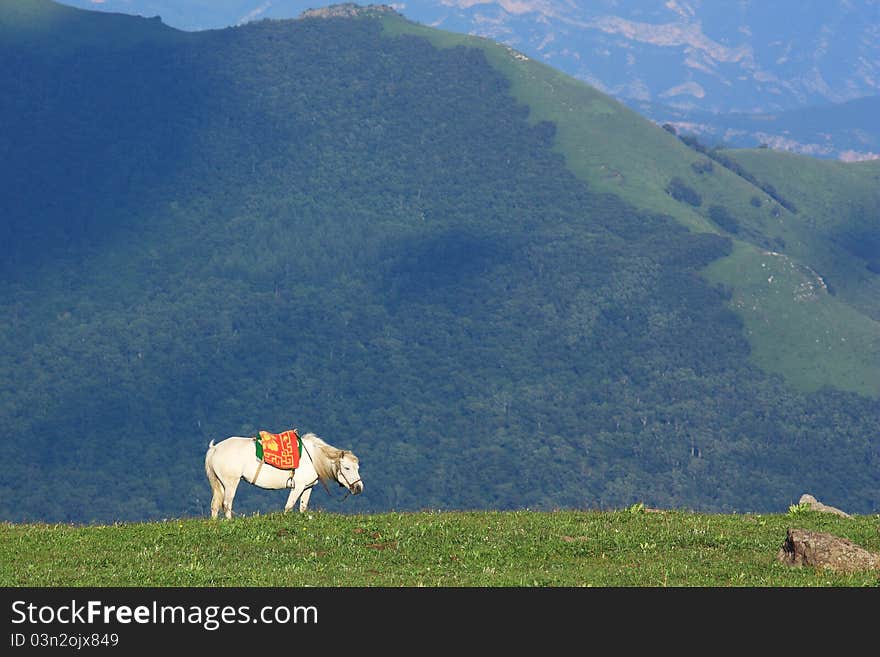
[281,450]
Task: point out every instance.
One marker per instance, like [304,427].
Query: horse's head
[348,472]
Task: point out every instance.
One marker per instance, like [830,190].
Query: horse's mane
[324,456]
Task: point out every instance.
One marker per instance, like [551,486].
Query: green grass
[830,341]
[624,548]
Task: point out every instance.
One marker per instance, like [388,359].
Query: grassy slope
[798,330]
[517,548]
[831,196]
[819,339]
[823,342]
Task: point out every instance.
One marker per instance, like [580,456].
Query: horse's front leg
[304,500]
[291,499]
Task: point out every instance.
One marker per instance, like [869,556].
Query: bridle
[340,473]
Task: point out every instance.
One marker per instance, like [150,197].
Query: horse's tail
[208,457]
[213,479]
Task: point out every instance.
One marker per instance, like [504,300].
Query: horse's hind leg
[216,490]
[216,502]
[228,495]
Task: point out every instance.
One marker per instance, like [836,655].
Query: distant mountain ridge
[751,58]
[705,63]
[748,58]
[848,131]
[700,61]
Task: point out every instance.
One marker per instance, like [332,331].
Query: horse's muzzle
[355,487]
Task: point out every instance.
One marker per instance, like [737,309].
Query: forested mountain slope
[335,224]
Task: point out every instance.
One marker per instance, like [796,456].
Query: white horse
[235,458]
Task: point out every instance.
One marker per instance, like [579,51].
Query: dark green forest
[312,224]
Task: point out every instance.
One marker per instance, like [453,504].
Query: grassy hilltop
[623,548]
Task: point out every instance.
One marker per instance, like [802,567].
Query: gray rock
[803,547]
[816,505]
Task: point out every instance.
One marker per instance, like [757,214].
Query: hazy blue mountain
[846,131]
